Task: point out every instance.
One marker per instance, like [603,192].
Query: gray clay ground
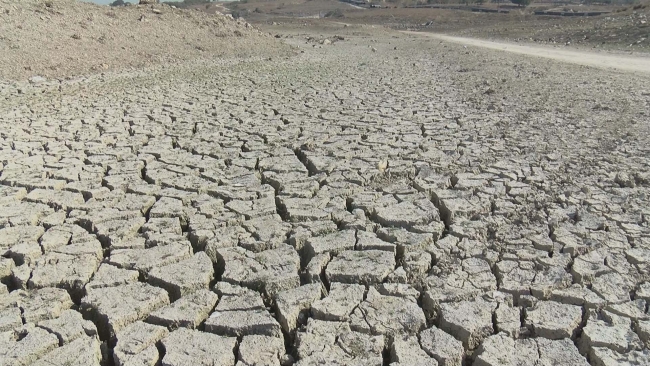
[378,200]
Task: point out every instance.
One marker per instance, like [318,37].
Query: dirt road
[594,59]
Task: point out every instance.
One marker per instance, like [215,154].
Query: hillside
[57,38]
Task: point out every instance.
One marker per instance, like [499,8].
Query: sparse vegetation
[523,3]
[336,13]
[187,3]
[239,13]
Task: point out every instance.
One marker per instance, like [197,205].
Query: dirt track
[594,59]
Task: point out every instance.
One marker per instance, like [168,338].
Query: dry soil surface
[594,59]
[378,199]
[61,38]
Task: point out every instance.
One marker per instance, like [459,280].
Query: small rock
[553,320]
[37,79]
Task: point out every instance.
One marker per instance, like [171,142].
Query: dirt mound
[57,38]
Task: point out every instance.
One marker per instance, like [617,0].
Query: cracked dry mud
[424,204]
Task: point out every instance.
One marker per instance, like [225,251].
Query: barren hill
[58,38]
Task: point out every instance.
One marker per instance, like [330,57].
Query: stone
[458,283]
[26,345]
[613,332]
[20,276]
[136,344]
[115,231]
[167,207]
[269,271]
[339,304]
[508,320]
[370,241]
[184,277]
[239,323]
[643,330]
[55,238]
[559,352]
[268,229]
[10,319]
[515,278]
[71,272]
[111,276]
[500,349]
[387,315]
[37,79]
[170,225]
[144,260]
[602,356]
[552,320]
[334,243]
[315,269]
[188,312]
[399,290]
[366,267]
[114,308]
[69,326]
[237,298]
[26,252]
[612,287]
[42,304]
[588,266]
[254,208]
[442,346]
[407,351]
[468,321]
[84,351]
[293,306]
[257,350]
[407,215]
[6,265]
[632,309]
[577,295]
[192,347]
[328,343]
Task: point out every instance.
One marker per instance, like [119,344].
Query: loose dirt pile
[58,38]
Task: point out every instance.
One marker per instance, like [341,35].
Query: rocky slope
[56,38]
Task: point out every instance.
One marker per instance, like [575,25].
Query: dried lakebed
[380,201]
